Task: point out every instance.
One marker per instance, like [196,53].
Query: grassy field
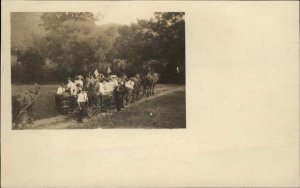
[167,111]
[44,106]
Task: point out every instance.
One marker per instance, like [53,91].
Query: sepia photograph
[149,94]
[84,70]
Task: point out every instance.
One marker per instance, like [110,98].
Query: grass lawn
[168,111]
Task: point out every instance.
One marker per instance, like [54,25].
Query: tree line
[71,43]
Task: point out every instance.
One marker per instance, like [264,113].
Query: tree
[160,40]
[69,43]
[134,44]
[168,34]
[75,43]
[29,70]
[53,20]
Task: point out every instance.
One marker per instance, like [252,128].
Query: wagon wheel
[90,112]
[96,111]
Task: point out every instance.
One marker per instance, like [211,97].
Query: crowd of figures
[89,95]
[96,92]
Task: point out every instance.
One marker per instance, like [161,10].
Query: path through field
[145,113]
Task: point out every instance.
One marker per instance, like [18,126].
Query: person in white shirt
[128,91]
[82,100]
[101,88]
[69,84]
[71,87]
[106,86]
[61,89]
[58,97]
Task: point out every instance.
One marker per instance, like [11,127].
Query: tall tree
[75,45]
[168,34]
[53,20]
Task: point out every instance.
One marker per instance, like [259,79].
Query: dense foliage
[65,44]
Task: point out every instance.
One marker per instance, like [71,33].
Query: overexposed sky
[122,16]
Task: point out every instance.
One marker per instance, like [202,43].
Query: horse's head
[149,76]
[156,76]
[36,90]
[33,93]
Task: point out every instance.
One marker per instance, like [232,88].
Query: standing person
[101,91]
[129,86]
[82,100]
[58,96]
[106,85]
[72,88]
[119,93]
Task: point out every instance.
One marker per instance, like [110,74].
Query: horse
[22,105]
[154,79]
[149,81]
[146,84]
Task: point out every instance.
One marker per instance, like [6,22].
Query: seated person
[111,86]
[115,82]
[101,91]
[71,87]
[129,84]
[61,89]
[79,80]
[100,86]
[106,86]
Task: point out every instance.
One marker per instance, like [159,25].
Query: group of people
[90,91]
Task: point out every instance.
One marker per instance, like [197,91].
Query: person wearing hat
[82,100]
[79,80]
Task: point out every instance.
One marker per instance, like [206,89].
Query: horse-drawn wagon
[67,104]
